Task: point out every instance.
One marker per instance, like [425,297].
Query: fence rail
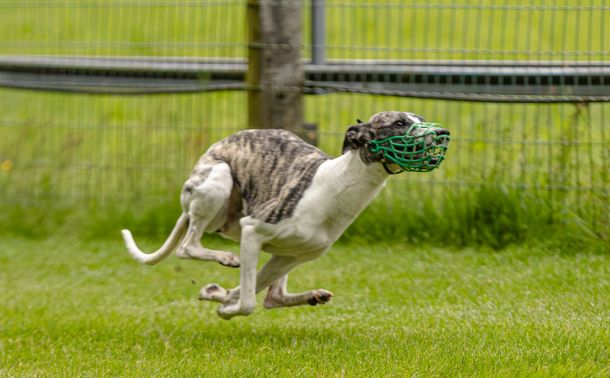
[492,81]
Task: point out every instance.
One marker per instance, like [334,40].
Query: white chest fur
[341,189]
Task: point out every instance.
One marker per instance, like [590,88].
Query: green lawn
[70,307]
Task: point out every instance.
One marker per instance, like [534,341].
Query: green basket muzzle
[421,149]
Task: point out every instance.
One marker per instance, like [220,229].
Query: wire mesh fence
[538,30]
[135,151]
[192,28]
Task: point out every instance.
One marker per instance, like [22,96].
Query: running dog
[271,191]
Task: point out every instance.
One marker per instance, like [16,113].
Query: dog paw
[227,311]
[229,259]
[320,296]
[213,292]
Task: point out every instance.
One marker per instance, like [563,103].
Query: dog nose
[442,132]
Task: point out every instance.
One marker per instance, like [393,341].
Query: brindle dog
[271,191]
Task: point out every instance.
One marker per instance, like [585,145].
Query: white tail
[170,244]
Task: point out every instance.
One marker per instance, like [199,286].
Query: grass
[76,308]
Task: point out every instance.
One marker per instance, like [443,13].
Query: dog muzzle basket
[421,149]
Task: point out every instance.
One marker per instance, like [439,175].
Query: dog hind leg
[205,204]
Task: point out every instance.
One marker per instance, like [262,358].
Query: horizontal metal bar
[513,81]
[129,65]
[189,65]
[118,85]
[453,93]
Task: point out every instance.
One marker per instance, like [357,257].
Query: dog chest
[316,228]
[295,242]
[335,198]
[340,191]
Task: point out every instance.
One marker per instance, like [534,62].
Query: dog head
[369,138]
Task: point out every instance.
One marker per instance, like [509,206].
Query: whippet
[271,191]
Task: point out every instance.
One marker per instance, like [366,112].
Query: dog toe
[325,297]
[320,296]
[212,292]
[229,260]
[227,311]
[229,264]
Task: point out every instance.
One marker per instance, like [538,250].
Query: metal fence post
[318,32]
[253,74]
[275,72]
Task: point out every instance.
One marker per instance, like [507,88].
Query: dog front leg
[249,251]
[274,269]
[278,296]
[275,276]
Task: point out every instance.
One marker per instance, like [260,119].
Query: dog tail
[170,244]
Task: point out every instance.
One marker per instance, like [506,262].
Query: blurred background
[105,106]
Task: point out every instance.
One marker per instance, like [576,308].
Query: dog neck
[349,169]
[342,189]
[349,182]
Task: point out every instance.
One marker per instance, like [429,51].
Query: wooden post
[275,71]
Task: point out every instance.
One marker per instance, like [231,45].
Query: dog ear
[356,137]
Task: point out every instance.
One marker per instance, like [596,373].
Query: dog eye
[400,123]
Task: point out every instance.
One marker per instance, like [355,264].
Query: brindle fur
[255,157]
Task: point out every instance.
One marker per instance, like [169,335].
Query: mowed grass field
[75,308]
